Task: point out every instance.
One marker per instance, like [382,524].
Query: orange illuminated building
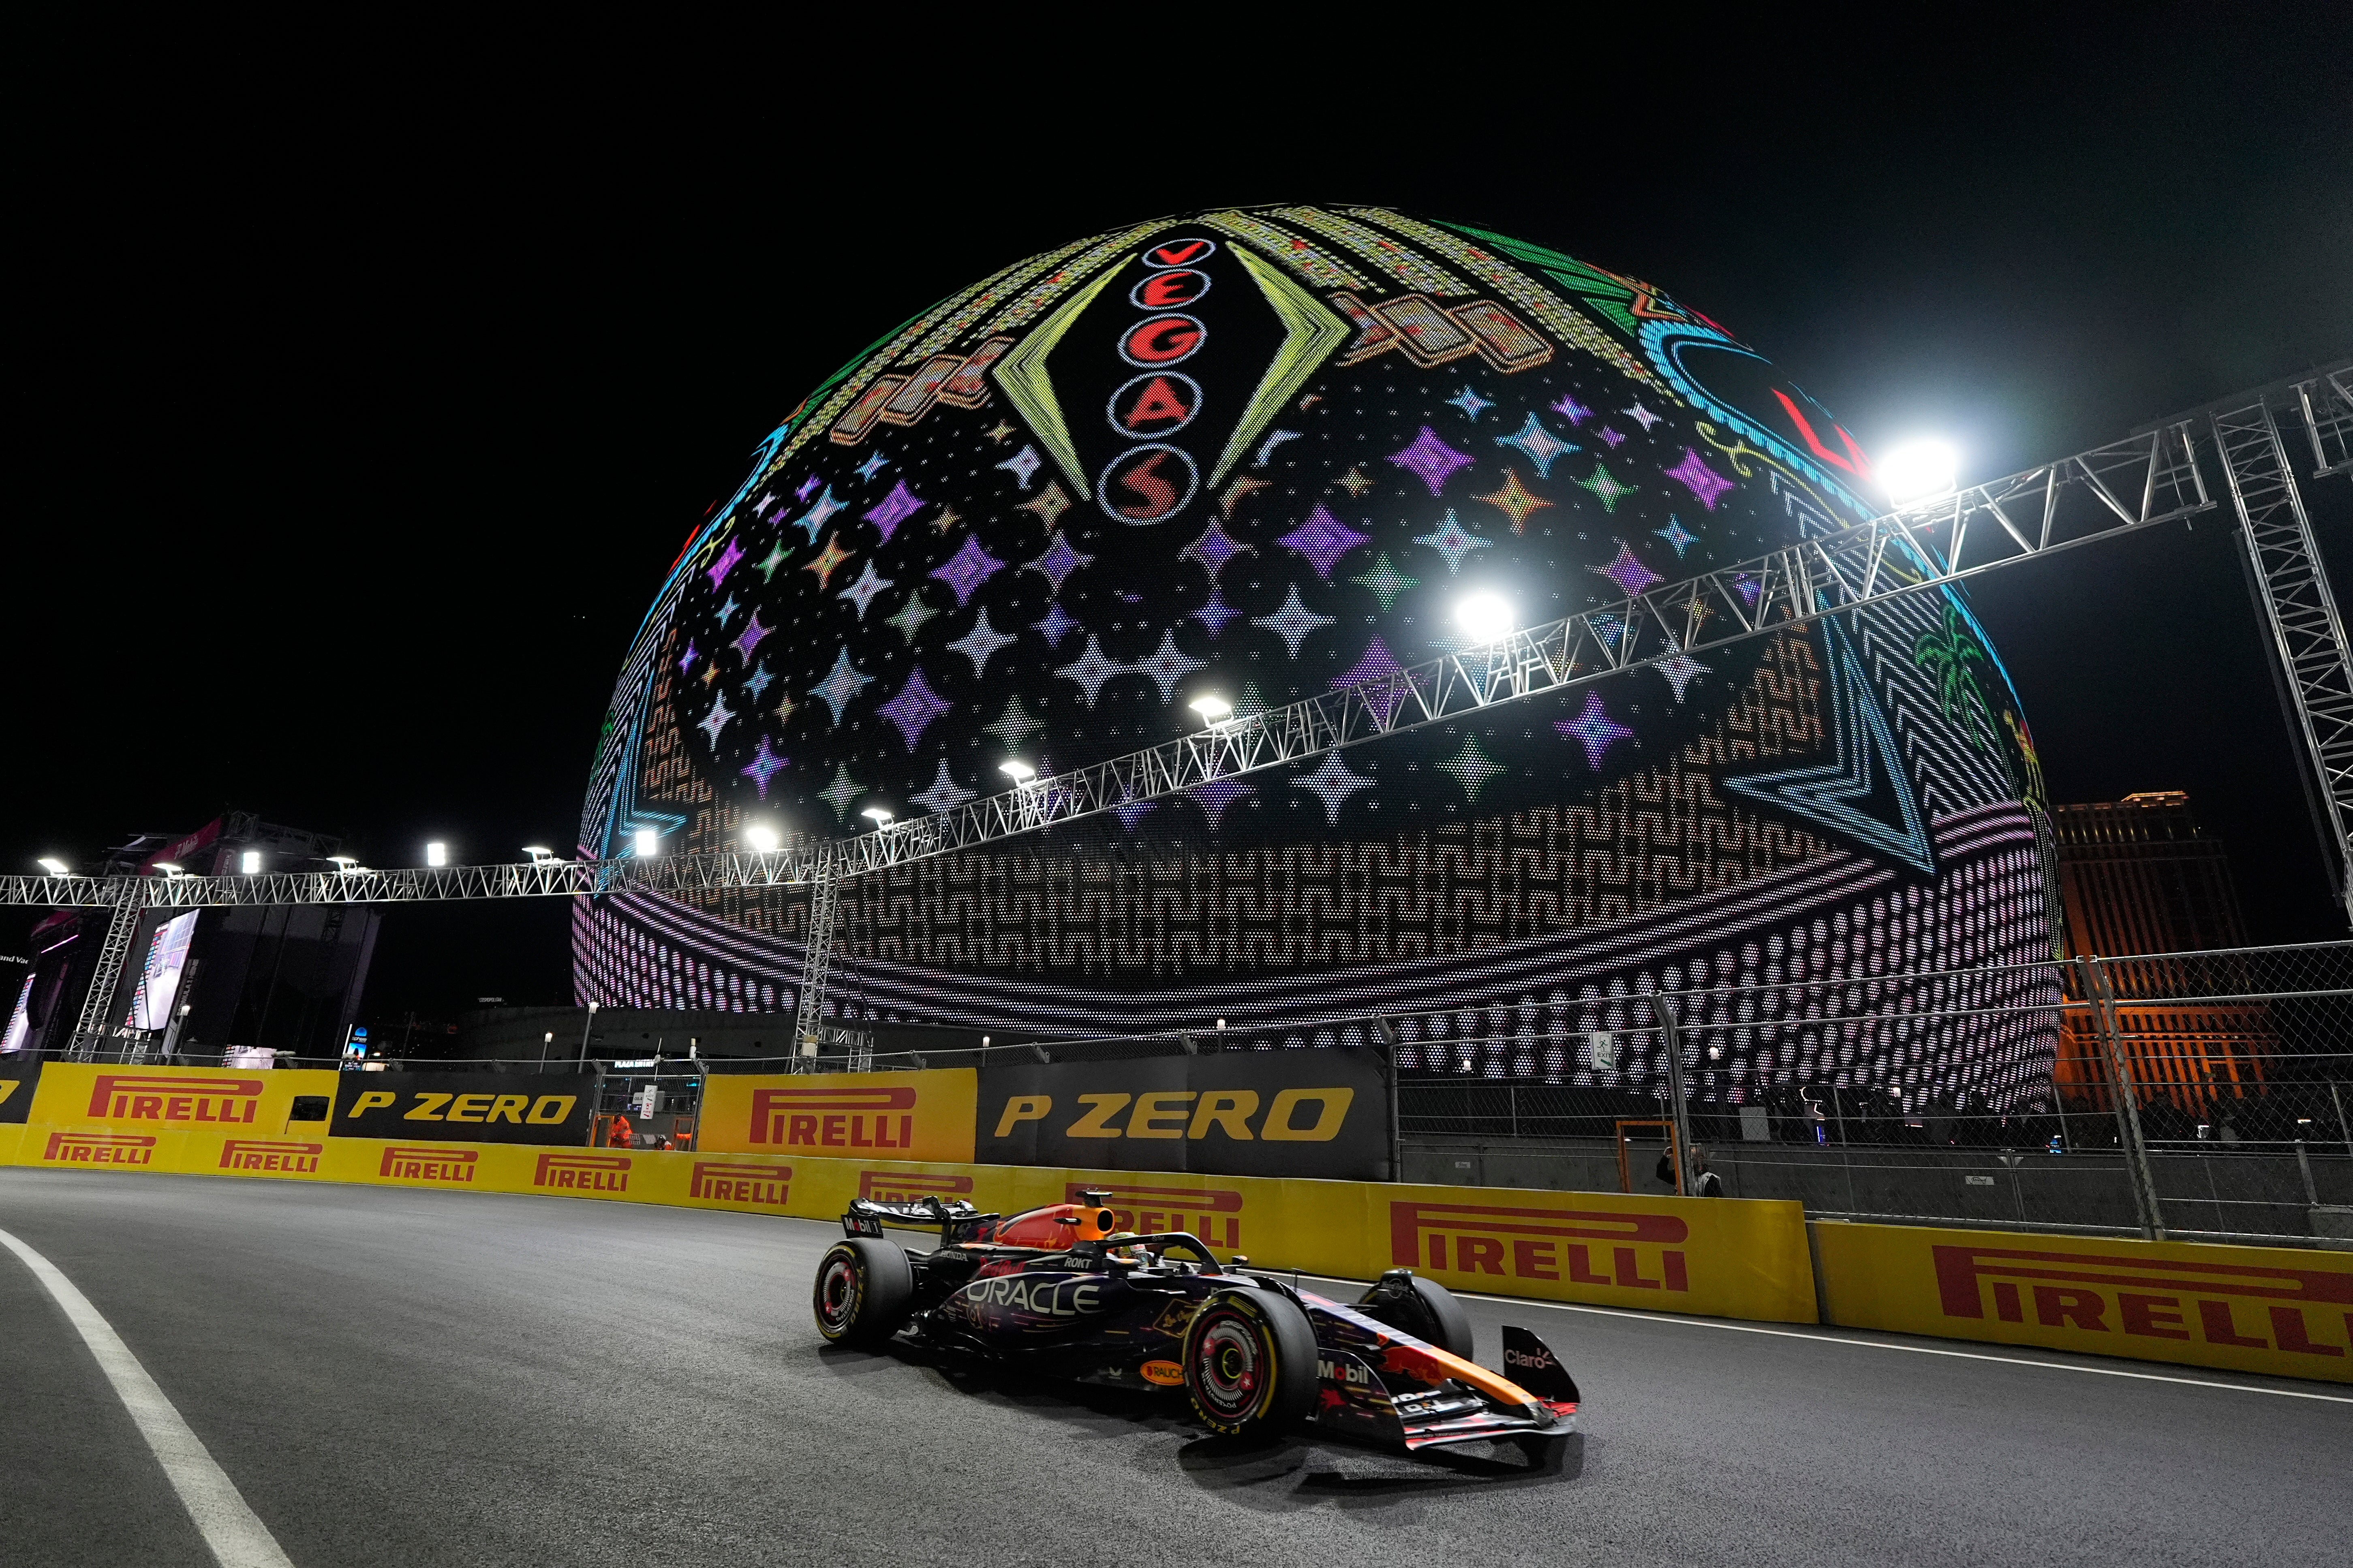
[2138,879]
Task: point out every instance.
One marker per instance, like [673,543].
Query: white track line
[1877,1344]
[237,1538]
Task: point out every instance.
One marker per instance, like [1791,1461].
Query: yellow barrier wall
[895,1115]
[2283,1310]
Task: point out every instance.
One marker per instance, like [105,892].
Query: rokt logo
[582,1173]
[101,1148]
[907,1186]
[834,1117]
[1541,1244]
[407,1163]
[2219,1303]
[268,1155]
[145,1097]
[1149,1210]
[722,1182]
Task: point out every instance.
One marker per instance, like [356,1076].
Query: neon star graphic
[1293,622]
[914,708]
[1014,725]
[944,794]
[801,494]
[1606,627]
[841,684]
[947,519]
[1217,612]
[767,568]
[979,643]
[1694,474]
[725,563]
[1750,586]
[1428,459]
[1471,768]
[686,661]
[709,673]
[1512,499]
[1090,669]
[1375,669]
[754,635]
[1130,812]
[1470,403]
[1630,575]
[1570,409]
[874,463]
[1062,558]
[1323,539]
[910,617]
[1593,728]
[1217,795]
[840,791]
[1000,432]
[1540,445]
[1451,540]
[1332,784]
[715,721]
[1048,505]
[828,561]
[1609,437]
[1022,466]
[862,592]
[1676,534]
[897,507]
[785,708]
[1214,548]
[966,570]
[1642,416]
[765,766]
[1681,669]
[727,611]
[1056,626]
[1606,487]
[1167,666]
[1354,482]
[815,518]
[759,682]
[1384,582]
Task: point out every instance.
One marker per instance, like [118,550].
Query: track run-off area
[417,1379]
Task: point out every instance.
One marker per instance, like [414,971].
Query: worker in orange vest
[622,1135]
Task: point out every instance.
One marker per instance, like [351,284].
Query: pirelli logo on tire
[98,1149]
[1629,1251]
[1212,1213]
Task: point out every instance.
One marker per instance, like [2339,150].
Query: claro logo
[582,1173]
[1191,1113]
[2219,1303]
[1149,1210]
[736,1181]
[834,1117]
[1542,1244]
[409,1164]
[101,1148]
[906,1186]
[269,1156]
[134,1096]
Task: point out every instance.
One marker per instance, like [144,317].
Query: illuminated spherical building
[1265,453]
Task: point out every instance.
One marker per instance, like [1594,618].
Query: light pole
[584,1033]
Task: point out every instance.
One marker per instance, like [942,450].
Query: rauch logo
[582,1173]
[722,1182]
[1542,1244]
[101,1148]
[834,1117]
[907,1186]
[410,1163]
[134,1096]
[264,1154]
[2219,1303]
[1147,1210]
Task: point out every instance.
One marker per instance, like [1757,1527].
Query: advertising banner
[2280,1310]
[1272,1113]
[891,1115]
[467,1107]
[144,1100]
[16,1081]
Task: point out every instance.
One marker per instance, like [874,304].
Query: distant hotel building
[2137,878]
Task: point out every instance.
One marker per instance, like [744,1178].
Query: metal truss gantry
[2125,487]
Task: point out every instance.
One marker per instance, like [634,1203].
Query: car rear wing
[957,1220]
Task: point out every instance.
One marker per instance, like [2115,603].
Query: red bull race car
[1058,1291]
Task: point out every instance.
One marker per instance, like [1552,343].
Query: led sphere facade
[1258,454]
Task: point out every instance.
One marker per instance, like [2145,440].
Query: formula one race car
[1057,1292]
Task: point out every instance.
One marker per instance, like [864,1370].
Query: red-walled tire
[864,1287]
[1249,1363]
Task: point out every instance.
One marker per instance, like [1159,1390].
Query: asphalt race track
[417,1379]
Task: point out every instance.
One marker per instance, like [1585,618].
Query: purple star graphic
[966,570]
[1217,613]
[1214,548]
[1609,437]
[765,766]
[1059,561]
[1750,586]
[806,485]
[1630,575]
[725,563]
[1378,668]
[1694,474]
[752,633]
[1570,409]
[1057,624]
[1594,729]
[913,708]
[897,507]
[1130,812]
[1217,795]
[686,664]
[1323,539]
[1429,460]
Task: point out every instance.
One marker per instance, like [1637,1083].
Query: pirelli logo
[1578,1247]
[2306,1311]
[879,1117]
[182,1097]
[99,1149]
[413,1163]
[740,1181]
[271,1157]
[582,1173]
[1213,1214]
[909,1186]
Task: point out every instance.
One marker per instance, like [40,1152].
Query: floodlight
[437,854]
[538,852]
[55,867]
[1213,709]
[881,814]
[762,840]
[250,862]
[648,843]
[169,869]
[1484,617]
[1918,471]
[344,862]
[1019,772]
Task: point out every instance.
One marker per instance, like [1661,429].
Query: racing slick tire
[864,1287]
[1426,1309]
[1249,1363]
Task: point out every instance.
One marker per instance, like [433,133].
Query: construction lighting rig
[2149,479]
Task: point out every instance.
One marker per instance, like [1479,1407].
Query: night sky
[361,419]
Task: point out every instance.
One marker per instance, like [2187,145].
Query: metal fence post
[2344,1133]
[1672,1040]
[2102,999]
